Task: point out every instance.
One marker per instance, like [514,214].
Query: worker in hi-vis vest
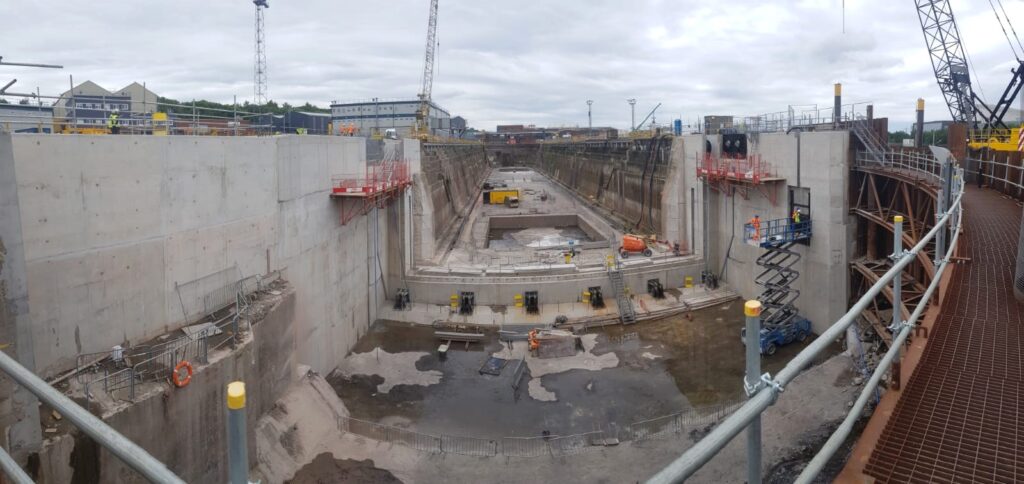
[756,224]
[113,124]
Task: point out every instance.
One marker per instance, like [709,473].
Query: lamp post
[590,119]
[632,114]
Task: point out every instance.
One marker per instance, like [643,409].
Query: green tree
[205,108]
[898,136]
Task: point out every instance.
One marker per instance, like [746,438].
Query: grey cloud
[531,61]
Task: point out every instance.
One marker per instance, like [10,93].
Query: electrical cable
[1003,28]
[1015,36]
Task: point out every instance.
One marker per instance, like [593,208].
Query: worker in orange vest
[756,224]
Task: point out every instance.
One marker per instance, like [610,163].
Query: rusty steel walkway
[961,417]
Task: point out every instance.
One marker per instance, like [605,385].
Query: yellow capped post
[238,450]
[752,308]
[236,395]
[752,377]
[898,219]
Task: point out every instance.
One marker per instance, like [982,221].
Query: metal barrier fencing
[997,173]
[154,362]
[525,447]
[110,439]
[669,425]
[206,294]
[911,162]
[530,447]
[469,446]
[766,389]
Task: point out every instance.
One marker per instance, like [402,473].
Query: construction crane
[423,113]
[260,61]
[647,117]
[952,70]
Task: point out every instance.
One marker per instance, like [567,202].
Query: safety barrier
[912,162]
[155,362]
[98,430]
[769,388]
[669,425]
[540,446]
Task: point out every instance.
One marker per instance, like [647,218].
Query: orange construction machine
[633,244]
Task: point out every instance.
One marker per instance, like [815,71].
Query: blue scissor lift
[780,320]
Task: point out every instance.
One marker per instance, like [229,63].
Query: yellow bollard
[518,300]
[238,458]
[689,282]
[568,258]
[455,301]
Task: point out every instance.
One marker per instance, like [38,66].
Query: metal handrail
[129,452]
[992,180]
[12,470]
[843,431]
[765,395]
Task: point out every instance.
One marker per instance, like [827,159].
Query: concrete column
[919,128]
[837,109]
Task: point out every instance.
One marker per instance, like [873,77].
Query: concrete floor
[479,247]
[624,375]
[794,426]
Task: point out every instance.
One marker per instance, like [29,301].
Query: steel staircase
[776,277]
[872,145]
[626,312]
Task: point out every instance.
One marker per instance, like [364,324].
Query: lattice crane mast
[260,58]
[423,113]
[952,71]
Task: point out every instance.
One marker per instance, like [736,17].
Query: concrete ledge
[499,288]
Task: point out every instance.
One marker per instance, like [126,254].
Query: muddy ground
[629,374]
[327,469]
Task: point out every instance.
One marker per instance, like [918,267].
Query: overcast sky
[529,61]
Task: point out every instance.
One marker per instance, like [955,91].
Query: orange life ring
[176,376]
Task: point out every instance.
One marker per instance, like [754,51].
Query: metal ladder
[777,277]
[626,312]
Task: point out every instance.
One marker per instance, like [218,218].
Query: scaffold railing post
[751,384]
[238,449]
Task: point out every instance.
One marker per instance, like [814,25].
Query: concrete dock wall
[185,428]
[125,235]
[447,178]
[625,179]
[823,168]
[19,410]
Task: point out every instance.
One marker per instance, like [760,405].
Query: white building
[376,117]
